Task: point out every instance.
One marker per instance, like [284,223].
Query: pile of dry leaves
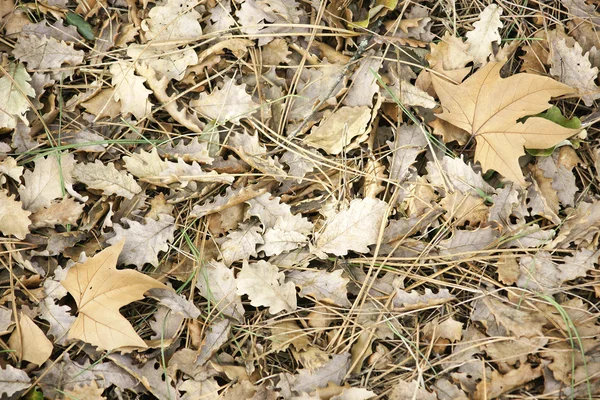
[320,199]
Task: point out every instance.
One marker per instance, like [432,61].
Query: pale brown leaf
[488,107]
[31,343]
[143,242]
[264,285]
[100,290]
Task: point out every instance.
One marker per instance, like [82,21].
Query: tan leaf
[228,104]
[13,219]
[217,284]
[100,290]
[166,61]
[410,390]
[459,174]
[192,151]
[409,142]
[464,243]
[485,33]
[130,90]
[160,87]
[173,20]
[249,148]
[264,285]
[45,182]
[582,224]
[241,244]
[501,384]
[573,68]
[488,107]
[322,285]
[353,229]
[414,300]
[545,275]
[144,242]
[107,178]
[332,372]
[103,104]
[89,391]
[517,320]
[339,129]
[41,52]
[32,344]
[286,333]
[15,89]
[364,82]
[269,209]
[65,212]
[451,53]
[13,380]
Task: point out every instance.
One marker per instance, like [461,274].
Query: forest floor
[286,199]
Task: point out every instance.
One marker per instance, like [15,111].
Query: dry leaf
[339,129]
[241,244]
[573,68]
[485,33]
[144,242]
[167,61]
[228,104]
[410,390]
[249,148]
[488,107]
[173,20]
[45,183]
[217,284]
[322,286]
[15,89]
[264,285]
[353,229]
[12,380]
[130,90]
[65,212]
[107,178]
[13,219]
[100,290]
[47,53]
[32,344]
[409,142]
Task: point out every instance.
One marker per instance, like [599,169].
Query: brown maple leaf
[488,107]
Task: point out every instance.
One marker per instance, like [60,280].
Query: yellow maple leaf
[100,290]
[488,107]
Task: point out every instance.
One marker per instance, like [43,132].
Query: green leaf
[81,24]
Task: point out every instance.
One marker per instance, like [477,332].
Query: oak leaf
[573,68]
[264,285]
[12,380]
[227,104]
[353,229]
[47,180]
[47,53]
[173,20]
[100,290]
[143,242]
[130,90]
[339,128]
[488,107]
[485,33]
[106,178]
[217,284]
[15,89]
[13,219]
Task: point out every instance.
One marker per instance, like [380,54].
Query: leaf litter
[299,200]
